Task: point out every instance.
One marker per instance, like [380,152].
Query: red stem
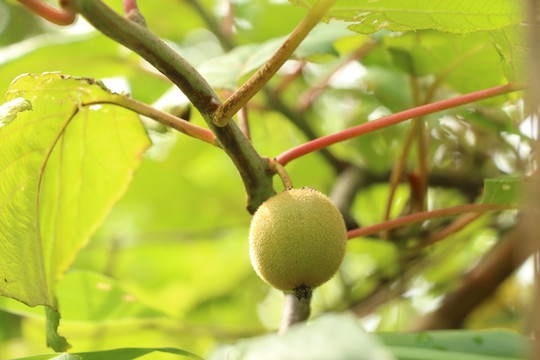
[425,215]
[129,5]
[61,17]
[322,142]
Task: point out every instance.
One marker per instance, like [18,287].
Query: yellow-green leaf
[459,16]
[62,167]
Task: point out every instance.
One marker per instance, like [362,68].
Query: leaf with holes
[62,167]
[459,16]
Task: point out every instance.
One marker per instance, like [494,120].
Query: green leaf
[502,191]
[9,110]
[511,44]
[115,354]
[406,15]
[90,296]
[329,337]
[456,344]
[87,296]
[62,167]
[456,59]
[54,340]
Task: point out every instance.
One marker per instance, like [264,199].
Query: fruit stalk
[295,310]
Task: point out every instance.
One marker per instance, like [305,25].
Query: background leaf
[502,191]
[451,345]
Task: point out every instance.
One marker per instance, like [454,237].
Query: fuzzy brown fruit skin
[297,240]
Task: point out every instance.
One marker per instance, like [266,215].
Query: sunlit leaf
[404,15]
[62,167]
[9,110]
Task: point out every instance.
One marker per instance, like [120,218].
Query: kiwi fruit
[297,240]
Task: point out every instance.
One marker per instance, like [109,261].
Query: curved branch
[255,83]
[60,17]
[252,167]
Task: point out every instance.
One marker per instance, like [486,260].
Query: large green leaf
[62,166]
[9,110]
[454,59]
[456,344]
[329,337]
[461,16]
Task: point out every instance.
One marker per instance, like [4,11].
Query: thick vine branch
[393,119]
[148,45]
[252,167]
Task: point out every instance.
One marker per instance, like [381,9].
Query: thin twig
[160,116]
[460,223]
[282,173]
[397,170]
[227,25]
[243,122]
[212,24]
[426,215]
[256,82]
[393,119]
[60,17]
[289,78]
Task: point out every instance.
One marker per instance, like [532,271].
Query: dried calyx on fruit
[297,240]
